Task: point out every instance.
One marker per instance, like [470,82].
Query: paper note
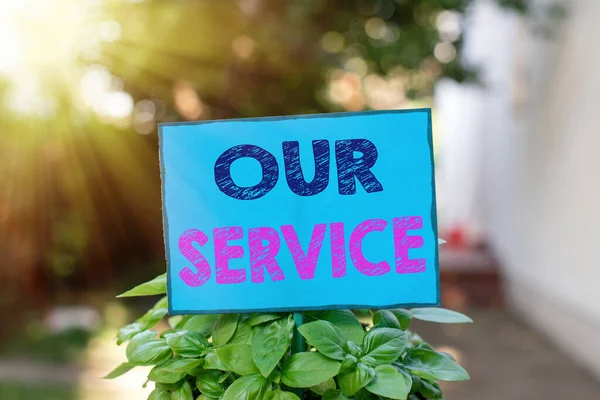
[300,213]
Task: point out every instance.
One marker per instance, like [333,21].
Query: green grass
[22,391]
[60,348]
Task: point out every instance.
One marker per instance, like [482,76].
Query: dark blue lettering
[293,169]
[348,166]
[270,172]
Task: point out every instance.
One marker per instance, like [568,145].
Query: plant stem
[298,340]
[298,343]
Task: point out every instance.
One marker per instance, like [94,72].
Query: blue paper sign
[300,213]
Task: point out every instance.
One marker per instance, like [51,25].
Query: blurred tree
[80,199]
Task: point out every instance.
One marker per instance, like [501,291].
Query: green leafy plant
[330,356]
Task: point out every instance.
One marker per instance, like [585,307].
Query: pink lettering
[305,263]
[187,249]
[264,244]
[402,243]
[338,250]
[262,256]
[223,253]
[358,259]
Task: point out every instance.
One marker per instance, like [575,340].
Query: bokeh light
[187,101]
[445,52]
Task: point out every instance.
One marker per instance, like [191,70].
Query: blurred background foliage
[83,85]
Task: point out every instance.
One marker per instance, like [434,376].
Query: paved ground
[23,379]
[508,361]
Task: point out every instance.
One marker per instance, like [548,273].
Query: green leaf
[180,365]
[349,363]
[440,315]
[205,397]
[238,358]
[162,303]
[251,387]
[270,342]
[156,286]
[243,333]
[152,317]
[259,318]
[385,345]
[175,320]
[308,369]
[414,338]
[146,321]
[334,395]
[425,346]
[224,328]
[431,390]
[184,392]
[324,386]
[138,339]
[345,321]
[390,383]
[129,331]
[281,395]
[404,317]
[366,395]
[202,324]
[212,361]
[187,343]
[326,338]
[144,350]
[415,381]
[386,319]
[275,377]
[159,375]
[159,393]
[173,370]
[166,333]
[208,383]
[431,365]
[368,360]
[120,370]
[351,381]
[355,349]
[150,353]
[447,355]
[224,377]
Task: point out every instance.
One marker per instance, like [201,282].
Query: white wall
[540,166]
[542,182]
[466,114]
